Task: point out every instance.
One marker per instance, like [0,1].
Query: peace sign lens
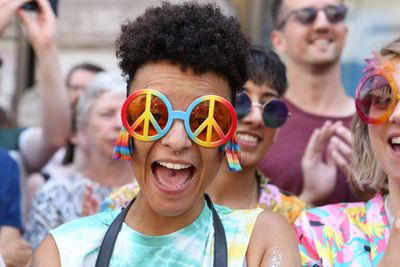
[376,97]
[209,121]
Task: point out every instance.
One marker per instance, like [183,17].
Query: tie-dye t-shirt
[344,235]
[79,241]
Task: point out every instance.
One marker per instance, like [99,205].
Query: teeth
[321,42]
[395,140]
[247,137]
[175,166]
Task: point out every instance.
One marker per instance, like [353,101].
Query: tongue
[396,148]
[172,178]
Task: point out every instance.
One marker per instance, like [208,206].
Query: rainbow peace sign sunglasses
[209,121]
[377,94]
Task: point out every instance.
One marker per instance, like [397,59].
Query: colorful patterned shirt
[121,197]
[270,198]
[345,234]
[58,201]
[274,199]
[189,246]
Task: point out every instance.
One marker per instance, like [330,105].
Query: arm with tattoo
[273,243]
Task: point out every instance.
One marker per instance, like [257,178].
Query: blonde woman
[365,233]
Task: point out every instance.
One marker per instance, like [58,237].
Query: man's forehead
[294,4]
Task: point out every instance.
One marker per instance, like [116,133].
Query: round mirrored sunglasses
[274,112]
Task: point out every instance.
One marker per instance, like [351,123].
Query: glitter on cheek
[276,259]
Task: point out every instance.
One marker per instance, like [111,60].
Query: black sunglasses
[274,112]
[307,15]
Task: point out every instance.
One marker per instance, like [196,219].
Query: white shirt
[2,264]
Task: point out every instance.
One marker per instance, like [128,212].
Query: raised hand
[90,203]
[7,11]
[16,252]
[341,148]
[53,133]
[318,164]
[40,26]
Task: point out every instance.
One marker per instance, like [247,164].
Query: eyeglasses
[274,112]
[307,15]
[209,121]
[377,95]
[76,87]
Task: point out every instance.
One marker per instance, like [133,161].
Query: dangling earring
[232,152]
[122,149]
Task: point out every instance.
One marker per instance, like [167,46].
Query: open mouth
[394,142]
[171,177]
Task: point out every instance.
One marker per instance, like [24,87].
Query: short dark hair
[267,68]
[83,66]
[276,7]
[190,35]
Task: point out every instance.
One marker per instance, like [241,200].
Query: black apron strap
[220,246]
[108,243]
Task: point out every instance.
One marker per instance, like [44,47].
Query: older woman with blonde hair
[365,233]
[59,200]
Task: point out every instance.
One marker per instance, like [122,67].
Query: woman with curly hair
[260,115]
[184,64]
[365,233]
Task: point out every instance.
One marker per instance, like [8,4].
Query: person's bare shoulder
[273,242]
[46,254]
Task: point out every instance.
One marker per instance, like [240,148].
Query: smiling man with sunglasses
[310,36]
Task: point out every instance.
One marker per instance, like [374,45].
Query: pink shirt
[344,234]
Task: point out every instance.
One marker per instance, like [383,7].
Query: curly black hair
[190,35]
[267,68]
